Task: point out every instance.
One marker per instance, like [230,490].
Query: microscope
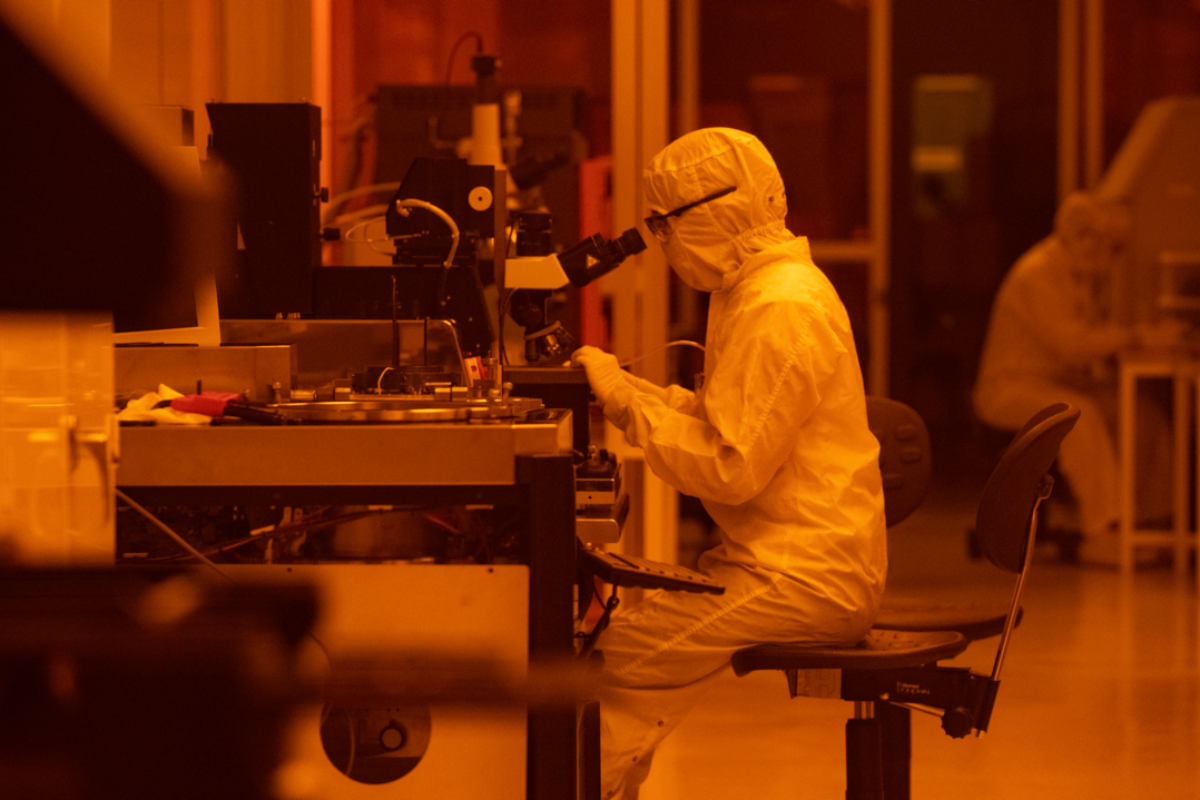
[536,272]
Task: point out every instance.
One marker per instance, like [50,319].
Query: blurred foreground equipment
[145,684]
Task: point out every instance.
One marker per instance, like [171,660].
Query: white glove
[607,379]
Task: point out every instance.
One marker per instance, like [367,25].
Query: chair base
[879,755]
[864,760]
[895,727]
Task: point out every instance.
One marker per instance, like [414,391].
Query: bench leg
[589,751]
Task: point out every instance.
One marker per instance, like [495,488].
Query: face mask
[690,269]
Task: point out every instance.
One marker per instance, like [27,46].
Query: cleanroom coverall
[1049,340]
[1043,346]
[775,444]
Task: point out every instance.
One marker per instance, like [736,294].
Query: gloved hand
[607,380]
[603,371]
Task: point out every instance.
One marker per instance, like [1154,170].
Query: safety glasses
[660,224]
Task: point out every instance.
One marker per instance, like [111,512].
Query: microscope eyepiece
[598,256]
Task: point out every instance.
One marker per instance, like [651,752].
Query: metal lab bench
[1181,365]
[525,463]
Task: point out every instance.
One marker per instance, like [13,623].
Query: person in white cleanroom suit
[1049,340]
[775,443]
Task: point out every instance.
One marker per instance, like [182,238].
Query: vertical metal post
[1068,97]
[640,288]
[639,110]
[1181,381]
[895,729]
[547,488]
[687,65]
[1080,95]
[322,81]
[1127,392]
[1093,93]
[864,755]
[880,222]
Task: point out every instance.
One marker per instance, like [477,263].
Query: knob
[393,736]
[958,722]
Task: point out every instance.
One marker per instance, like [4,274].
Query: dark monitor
[100,213]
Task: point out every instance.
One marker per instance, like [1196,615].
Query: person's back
[1045,329]
[815,513]
[1049,341]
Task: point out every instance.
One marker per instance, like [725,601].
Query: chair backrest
[1004,521]
[905,460]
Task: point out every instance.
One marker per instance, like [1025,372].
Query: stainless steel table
[524,462]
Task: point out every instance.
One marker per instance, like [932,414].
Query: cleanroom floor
[1100,694]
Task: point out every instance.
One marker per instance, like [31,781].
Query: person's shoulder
[787,299]
[1031,269]
[1047,254]
[782,285]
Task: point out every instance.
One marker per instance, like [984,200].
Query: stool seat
[974,618]
[881,649]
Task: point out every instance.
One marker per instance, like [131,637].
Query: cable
[361,190]
[432,123]
[178,539]
[506,299]
[676,343]
[443,523]
[375,212]
[368,240]
[503,313]
[402,207]
[339,200]
[457,44]
[355,134]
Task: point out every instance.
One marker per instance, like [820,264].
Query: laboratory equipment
[478,564]
[1156,175]
[535,272]
[272,154]
[543,133]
